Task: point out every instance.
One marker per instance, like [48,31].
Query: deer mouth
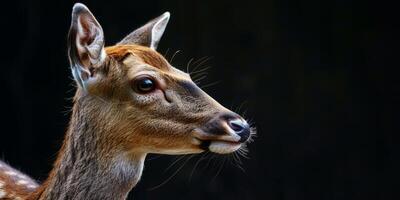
[220,146]
[223,144]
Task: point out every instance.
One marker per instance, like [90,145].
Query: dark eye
[144,85]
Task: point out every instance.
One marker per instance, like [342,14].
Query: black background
[318,78]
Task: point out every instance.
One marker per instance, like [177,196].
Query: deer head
[142,102]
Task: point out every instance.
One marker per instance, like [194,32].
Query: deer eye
[144,85]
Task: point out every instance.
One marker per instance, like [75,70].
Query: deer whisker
[188,66]
[219,169]
[201,63]
[174,162]
[173,56]
[173,175]
[201,70]
[197,163]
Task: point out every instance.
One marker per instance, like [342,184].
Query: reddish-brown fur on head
[145,54]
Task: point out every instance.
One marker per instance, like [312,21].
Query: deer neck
[87,167]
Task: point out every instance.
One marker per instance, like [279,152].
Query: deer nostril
[241,128]
[236,125]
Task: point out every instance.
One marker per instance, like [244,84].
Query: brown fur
[145,54]
[113,127]
[107,124]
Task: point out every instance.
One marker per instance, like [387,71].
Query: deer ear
[85,44]
[149,34]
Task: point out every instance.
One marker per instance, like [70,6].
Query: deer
[129,102]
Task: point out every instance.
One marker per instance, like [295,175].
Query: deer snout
[229,126]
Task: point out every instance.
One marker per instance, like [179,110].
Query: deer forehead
[139,59]
[142,54]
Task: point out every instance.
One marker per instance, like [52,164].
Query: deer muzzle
[224,133]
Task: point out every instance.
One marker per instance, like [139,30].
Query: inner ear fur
[85,43]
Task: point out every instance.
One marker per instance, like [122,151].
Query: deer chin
[224,147]
[177,151]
